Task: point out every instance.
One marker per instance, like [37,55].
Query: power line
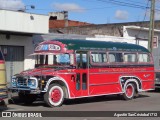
[143,20]
[120,3]
[131,1]
[123,3]
[126,4]
[136,1]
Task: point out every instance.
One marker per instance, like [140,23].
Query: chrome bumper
[27,90]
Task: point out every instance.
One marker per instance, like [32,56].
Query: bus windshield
[54,60]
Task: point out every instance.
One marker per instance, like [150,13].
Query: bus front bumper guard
[3,90]
[3,97]
[28,90]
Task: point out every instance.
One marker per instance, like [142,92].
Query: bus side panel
[147,79]
[104,82]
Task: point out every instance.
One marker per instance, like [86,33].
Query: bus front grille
[22,82]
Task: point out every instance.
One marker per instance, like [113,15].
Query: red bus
[69,69]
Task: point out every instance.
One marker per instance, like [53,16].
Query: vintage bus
[3,83]
[69,69]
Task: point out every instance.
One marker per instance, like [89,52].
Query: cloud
[68,7]
[121,15]
[11,4]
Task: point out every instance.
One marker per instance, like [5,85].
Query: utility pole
[151,26]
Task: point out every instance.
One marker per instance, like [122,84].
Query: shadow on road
[157,90]
[93,99]
[3,106]
[40,102]
[17,101]
[99,99]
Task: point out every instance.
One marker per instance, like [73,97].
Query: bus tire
[129,91]
[54,97]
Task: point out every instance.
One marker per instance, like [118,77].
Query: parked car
[3,82]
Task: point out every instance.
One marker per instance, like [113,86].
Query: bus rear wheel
[54,97]
[129,91]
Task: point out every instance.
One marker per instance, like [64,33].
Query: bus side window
[143,57]
[81,60]
[78,60]
[115,57]
[84,61]
[112,57]
[129,57]
[98,57]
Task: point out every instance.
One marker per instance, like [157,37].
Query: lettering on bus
[122,70]
[48,47]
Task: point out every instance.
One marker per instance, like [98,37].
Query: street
[147,101]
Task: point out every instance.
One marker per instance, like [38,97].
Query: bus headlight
[32,83]
[14,81]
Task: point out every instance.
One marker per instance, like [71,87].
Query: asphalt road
[147,101]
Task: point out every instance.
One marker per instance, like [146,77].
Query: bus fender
[133,81]
[55,79]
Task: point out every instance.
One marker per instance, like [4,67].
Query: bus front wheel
[54,97]
[129,91]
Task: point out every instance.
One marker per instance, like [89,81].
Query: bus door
[81,83]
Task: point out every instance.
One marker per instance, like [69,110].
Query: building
[131,32]
[58,15]
[113,29]
[62,23]
[16,31]
[60,20]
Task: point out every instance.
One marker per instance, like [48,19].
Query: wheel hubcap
[129,91]
[55,95]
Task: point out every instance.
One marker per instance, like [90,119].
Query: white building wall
[23,22]
[111,39]
[143,34]
[25,41]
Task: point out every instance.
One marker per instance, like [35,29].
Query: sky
[91,11]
